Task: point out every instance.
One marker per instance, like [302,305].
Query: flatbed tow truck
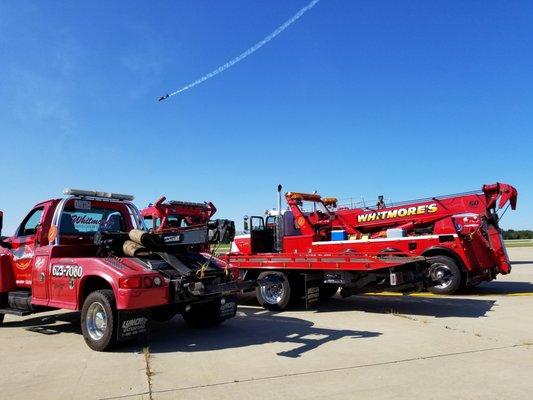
[90,251]
[291,250]
[460,232]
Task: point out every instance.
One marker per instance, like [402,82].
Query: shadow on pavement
[521,262]
[256,326]
[48,324]
[439,307]
[252,326]
[434,306]
[498,288]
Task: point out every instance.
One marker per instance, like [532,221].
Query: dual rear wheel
[280,296]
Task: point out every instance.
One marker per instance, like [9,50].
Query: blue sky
[408,99]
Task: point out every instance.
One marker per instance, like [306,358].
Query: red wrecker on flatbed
[440,243]
[90,251]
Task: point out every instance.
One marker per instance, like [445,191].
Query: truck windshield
[76,221]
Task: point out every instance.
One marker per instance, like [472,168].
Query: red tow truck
[90,251]
[457,234]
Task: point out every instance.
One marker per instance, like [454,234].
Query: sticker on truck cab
[68,271]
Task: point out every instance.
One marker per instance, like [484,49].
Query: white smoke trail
[248,52]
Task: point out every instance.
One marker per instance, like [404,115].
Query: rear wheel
[277,296]
[204,315]
[163,314]
[448,272]
[327,290]
[99,321]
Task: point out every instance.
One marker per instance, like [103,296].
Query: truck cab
[90,251]
[261,231]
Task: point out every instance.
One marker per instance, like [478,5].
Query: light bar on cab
[93,193]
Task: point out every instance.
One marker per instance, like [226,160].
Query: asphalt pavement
[474,345]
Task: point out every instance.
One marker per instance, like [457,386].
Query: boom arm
[421,213]
[406,215]
[506,193]
[318,222]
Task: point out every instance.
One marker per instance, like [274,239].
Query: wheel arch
[443,251]
[254,273]
[89,284]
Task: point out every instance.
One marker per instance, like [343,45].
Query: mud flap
[227,309]
[132,324]
[312,290]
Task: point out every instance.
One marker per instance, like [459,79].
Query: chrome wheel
[272,294]
[96,321]
[443,273]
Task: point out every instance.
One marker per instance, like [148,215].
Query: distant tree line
[512,234]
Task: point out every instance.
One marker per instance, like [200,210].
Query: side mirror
[246,225]
[2,243]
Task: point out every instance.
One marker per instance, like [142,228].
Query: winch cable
[503,213]
[244,54]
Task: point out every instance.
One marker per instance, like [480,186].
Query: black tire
[103,300]
[2,319]
[452,271]
[163,314]
[266,294]
[203,315]
[327,290]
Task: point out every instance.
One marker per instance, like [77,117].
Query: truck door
[261,238]
[23,247]
[40,276]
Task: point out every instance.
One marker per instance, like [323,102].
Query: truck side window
[176,221]
[29,225]
[257,223]
[271,222]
